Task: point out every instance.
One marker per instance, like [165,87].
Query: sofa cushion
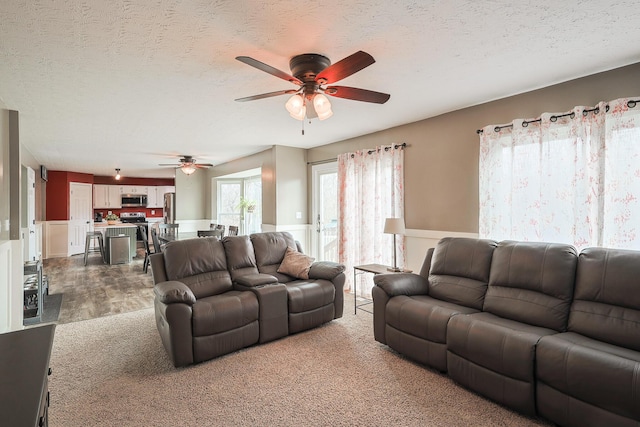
[305,295]
[460,270]
[295,264]
[532,282]
[422,316]
[591,371]
[241,258]
[500,345]
[200,264]
[225,312]
[270,249]
[606,304]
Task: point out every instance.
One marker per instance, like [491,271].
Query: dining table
[171,237]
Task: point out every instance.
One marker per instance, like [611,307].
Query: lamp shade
[323,106]
[188,169]
[295,106]
[394,226]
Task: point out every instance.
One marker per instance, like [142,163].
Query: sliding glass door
[325,211]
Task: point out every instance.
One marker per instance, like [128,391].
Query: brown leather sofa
[506,317]
[214,297]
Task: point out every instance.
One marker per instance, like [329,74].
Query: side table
[368,268]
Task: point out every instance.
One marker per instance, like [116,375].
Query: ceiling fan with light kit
[188,165]
[312,72]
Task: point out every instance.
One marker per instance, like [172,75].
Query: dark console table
[24,369]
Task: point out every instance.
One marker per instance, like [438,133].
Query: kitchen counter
[119,228]
[117,224]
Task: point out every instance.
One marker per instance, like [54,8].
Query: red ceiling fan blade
[266,95]
[345,67]
[203,165]
[268,69]
[357,94]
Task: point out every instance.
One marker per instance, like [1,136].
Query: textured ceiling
[129,84]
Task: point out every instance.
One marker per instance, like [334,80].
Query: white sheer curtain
[571,178]
[370,189]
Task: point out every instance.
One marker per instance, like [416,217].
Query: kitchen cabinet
[106,196]
[134,189]
[155,197]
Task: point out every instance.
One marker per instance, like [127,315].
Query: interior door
[80,216]
[31,212]
[325,211]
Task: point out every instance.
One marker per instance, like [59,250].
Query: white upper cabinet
[106,196]
[155,197]
[134,189]
[110,196]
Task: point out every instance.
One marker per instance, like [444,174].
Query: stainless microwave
[134,200]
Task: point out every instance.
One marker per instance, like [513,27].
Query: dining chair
[157,248]
[214,226]
[169,228]
[233,230]
[210,233]
[147,250]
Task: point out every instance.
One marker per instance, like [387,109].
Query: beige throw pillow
[296,264]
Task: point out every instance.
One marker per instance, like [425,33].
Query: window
[231,192]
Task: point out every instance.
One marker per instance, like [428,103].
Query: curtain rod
[319,162]
[631,104]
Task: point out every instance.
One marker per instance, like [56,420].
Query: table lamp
[394,226]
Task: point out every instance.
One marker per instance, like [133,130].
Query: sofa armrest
[325,270]
[174,292]
[255,280]
[402,284]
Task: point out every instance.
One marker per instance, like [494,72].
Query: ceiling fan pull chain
[302,127]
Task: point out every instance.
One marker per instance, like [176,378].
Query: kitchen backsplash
[149,212]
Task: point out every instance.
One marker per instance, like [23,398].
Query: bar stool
[88,247]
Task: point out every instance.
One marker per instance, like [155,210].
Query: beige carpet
[113,371]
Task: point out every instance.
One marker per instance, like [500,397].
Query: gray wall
[441,162]
[284,183]
[265,160]
[291,185]
[190,189]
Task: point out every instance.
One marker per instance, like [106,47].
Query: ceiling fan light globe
[325,115]
[294,105]
[321,104]
[188,169]
[301,114]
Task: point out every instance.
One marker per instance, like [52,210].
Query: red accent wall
[58,192]
[57,196]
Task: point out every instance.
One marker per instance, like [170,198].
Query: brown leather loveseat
[533,326]
[214,297]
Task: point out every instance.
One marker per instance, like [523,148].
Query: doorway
[80,215]
[325,211]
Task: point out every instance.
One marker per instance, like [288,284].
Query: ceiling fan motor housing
[306,66]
